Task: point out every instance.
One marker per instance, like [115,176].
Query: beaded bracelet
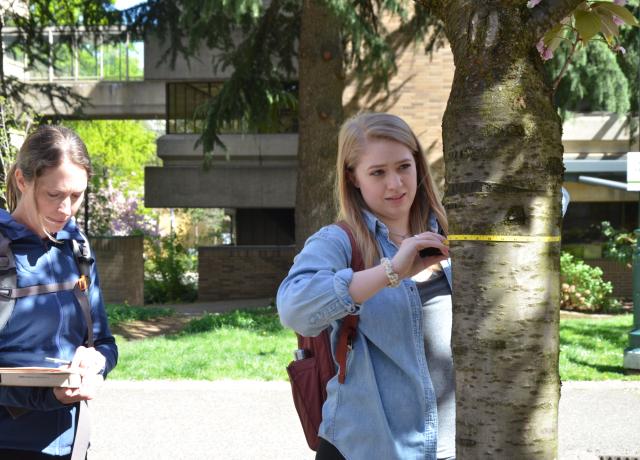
[394,279]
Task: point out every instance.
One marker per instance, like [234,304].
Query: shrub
[620,245]
[583,288]
[264,320]
[122,313]
[170,271]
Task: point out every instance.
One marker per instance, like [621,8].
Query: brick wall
[242,272]
[418,93]
[120,267]
[618,274]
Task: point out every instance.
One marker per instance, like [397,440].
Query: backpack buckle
[83,283]
[5,292]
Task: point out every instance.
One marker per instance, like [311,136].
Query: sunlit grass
[244,344]
[592,349]
[252,344]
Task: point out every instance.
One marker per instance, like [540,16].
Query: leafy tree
[593,82]
[594,78]
[503,156]
[28,21]
[270,44]
[119,150]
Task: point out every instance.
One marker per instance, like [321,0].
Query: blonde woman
[397,401]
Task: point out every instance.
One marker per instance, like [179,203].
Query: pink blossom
[545,52]
[620,2]
[532,3]
[617,21]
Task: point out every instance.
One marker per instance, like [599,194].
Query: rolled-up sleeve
[316,291]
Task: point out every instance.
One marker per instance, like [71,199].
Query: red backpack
[314,365]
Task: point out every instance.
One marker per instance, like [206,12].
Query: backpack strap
[8,279]
[350,323]
[82,254]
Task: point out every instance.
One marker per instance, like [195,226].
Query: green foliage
[30,42]
[119,150]
[592,348]
[260,320]
[170,271]
[593,82]
[583,288]
[202,226]
[598,78]
[257,91]
[619,245]
[122,313]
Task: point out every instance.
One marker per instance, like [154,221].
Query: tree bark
[321,80]
[503,156]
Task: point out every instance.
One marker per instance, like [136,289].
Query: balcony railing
[108,55]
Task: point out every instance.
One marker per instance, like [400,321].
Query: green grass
[251,344]
[592,349]
[244,344]
[121,313]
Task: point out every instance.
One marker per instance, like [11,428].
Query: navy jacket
[46,325]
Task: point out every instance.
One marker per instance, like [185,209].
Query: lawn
[592,349]
[244,344]
[251,344]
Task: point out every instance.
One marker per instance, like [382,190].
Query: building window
[186,110]
[582,222]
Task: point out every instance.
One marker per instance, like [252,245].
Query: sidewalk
[247,420]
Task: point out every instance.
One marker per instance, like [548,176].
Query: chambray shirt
[387,406]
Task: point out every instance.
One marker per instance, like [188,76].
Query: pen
[57,360]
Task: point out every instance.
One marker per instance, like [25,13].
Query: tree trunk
[503,156]
[321,80]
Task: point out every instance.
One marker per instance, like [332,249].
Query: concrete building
[254,179]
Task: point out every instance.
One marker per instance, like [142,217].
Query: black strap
[81,289]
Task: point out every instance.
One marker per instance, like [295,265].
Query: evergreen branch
[435,7]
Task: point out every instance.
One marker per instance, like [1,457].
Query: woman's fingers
[89,360]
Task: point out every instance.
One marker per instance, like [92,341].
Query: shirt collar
[14,230]
[374,224]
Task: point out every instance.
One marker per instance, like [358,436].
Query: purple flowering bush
[113,212]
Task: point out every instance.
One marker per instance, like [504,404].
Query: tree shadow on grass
[620,370]
[260,320]
[586,335]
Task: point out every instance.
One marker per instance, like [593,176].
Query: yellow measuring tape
[507,238]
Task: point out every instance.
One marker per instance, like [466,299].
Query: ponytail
[13,192]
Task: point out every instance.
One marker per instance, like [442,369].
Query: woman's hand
[88,390]
[89,363]
[407,262]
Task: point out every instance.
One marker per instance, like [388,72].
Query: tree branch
[435,7]
[547,14]
[566,64]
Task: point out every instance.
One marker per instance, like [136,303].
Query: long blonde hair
[354,135]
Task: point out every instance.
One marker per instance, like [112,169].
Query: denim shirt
[387,406]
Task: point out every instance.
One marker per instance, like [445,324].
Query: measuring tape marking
[506,238]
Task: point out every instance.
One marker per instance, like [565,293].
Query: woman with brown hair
[59,315]
[397,401]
